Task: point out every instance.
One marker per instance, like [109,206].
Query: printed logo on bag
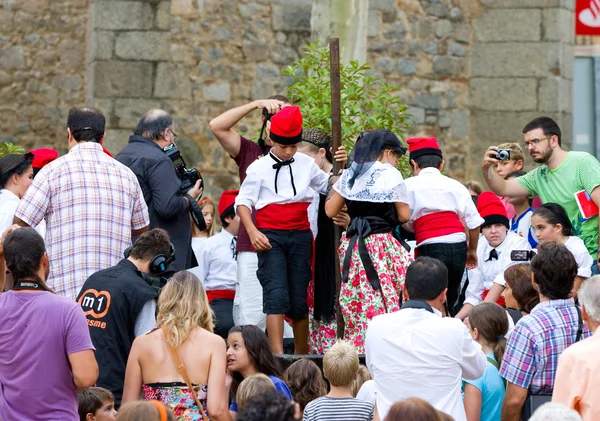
[95,304]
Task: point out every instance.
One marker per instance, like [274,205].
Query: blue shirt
[280,386]
[522,226]
[492,390]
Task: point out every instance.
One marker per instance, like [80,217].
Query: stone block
[455,14]
[143,45]
[251,10]
[443,28]
[427,101]
[431,47]
[105,42]
[446,66]
[129,111]
[395,31]
[511,59]
[267,71]
[12,58]
[71,54]
[162,19]
[425,28]
[560,59]
[282,54]
[387,6]
[293,17]
[406,67]
[555,95]
[529,4]
[504,94]
[457,49]
[509,25]
[67,83]
[438,9]
[255,51]
[221,33]
[217,92]
[106,106]
[385,64]
[417,115]
[460,124]
[374,21]
[172,82]
[119,15]
[122,79]
[115,140]
[183,7]
[493,127]
[462,33]
[558,25]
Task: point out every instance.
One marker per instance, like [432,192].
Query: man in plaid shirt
[532,350]
[92,204]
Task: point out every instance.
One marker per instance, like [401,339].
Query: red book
[587,207]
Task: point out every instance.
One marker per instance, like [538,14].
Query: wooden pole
[336,141]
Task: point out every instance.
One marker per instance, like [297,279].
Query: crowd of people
[120,298]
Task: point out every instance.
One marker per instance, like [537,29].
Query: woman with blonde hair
[185,324]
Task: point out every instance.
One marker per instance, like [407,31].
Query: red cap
[286,126]
[491,209]
[227,200]
[42,157]
[106,151]
[419,146]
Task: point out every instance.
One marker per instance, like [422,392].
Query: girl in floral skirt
[373,262]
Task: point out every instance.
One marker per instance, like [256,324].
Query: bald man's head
[153,124]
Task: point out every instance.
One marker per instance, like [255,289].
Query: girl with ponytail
[488,324]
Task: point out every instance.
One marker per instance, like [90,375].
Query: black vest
[112,300]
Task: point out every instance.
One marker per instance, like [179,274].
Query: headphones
[159,263]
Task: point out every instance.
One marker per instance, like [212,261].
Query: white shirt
[415,353]
[431,192]
[8,205]
[313,214]
[489,272]
[217,267]
[583,258]
[258,188]
[522,226]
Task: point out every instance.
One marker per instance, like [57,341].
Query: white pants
[248,302]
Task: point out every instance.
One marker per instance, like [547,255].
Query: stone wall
[42,69]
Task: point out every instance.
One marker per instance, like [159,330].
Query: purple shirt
[37,333]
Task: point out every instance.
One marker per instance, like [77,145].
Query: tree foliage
[10,148]
[367,103]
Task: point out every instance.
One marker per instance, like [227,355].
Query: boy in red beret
[280,187]
[41,158]
[439,206]
[486,281]
[217,265]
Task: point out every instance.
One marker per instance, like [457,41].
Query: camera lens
[503,155]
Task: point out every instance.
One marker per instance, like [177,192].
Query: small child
[251,386]
[521,222]
[96,404]
[340,367]
[514,163]
[362,377]
[306,381]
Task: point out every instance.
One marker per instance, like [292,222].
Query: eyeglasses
[535,141]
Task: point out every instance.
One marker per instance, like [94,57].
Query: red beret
[491,209]
[42,157]
[227,199]
[286,126]
[419,146]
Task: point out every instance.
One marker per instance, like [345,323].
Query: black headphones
[159,263]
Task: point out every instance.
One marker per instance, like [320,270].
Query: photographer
[169,209]
[120,305]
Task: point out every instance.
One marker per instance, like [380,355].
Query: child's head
[270,406]
[362,376]
[249,351]
[517,200]
[551,223]
[488,324]
[340,364]
[424,153]
[286,132]
[145,411]
[514,163]
[96,404]
[208,212]
[252,386]
[229,219]
[413,409]
[316,144]
[305,381]
[519,292]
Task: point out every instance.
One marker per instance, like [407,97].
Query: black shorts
[285,271]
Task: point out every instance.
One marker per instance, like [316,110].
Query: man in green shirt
[561,175]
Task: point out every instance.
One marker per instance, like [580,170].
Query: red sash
[436,225]
[500,301]
[223,294]
[289,216]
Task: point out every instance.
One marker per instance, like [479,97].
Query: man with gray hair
[577,383]
[161,185]
[554,412]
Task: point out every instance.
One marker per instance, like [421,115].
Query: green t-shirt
[579,171]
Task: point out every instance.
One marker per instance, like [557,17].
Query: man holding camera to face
[170,190]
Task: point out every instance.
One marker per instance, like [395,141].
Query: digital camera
[188,176]
[502,155]
[522,255]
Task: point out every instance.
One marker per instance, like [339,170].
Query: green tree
[367,103]
[9,148]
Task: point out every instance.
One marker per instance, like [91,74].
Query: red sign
[587,17]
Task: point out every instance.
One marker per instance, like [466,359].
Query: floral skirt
[359,302]
[178,397]
[322,335]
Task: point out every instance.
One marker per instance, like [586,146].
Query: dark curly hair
[554,270]
[12,164]
[268,406]
[305,381]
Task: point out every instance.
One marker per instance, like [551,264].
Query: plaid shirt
[533,347]
[91,203]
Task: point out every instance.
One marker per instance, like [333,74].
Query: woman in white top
[16,174]
[551,223]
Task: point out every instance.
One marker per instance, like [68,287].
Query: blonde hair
[516,152]
[361,377]
[474,186]
[182,307]
[202,203]
[340,364]
[252,386]
[145,411]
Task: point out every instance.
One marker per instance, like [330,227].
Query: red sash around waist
[224,294]
[289,216]
[500,301]
[436,225]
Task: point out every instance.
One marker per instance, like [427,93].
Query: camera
[266,114]
[188,176]
[502,155]
[522,255]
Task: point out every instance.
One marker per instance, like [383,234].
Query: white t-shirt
[584,261]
